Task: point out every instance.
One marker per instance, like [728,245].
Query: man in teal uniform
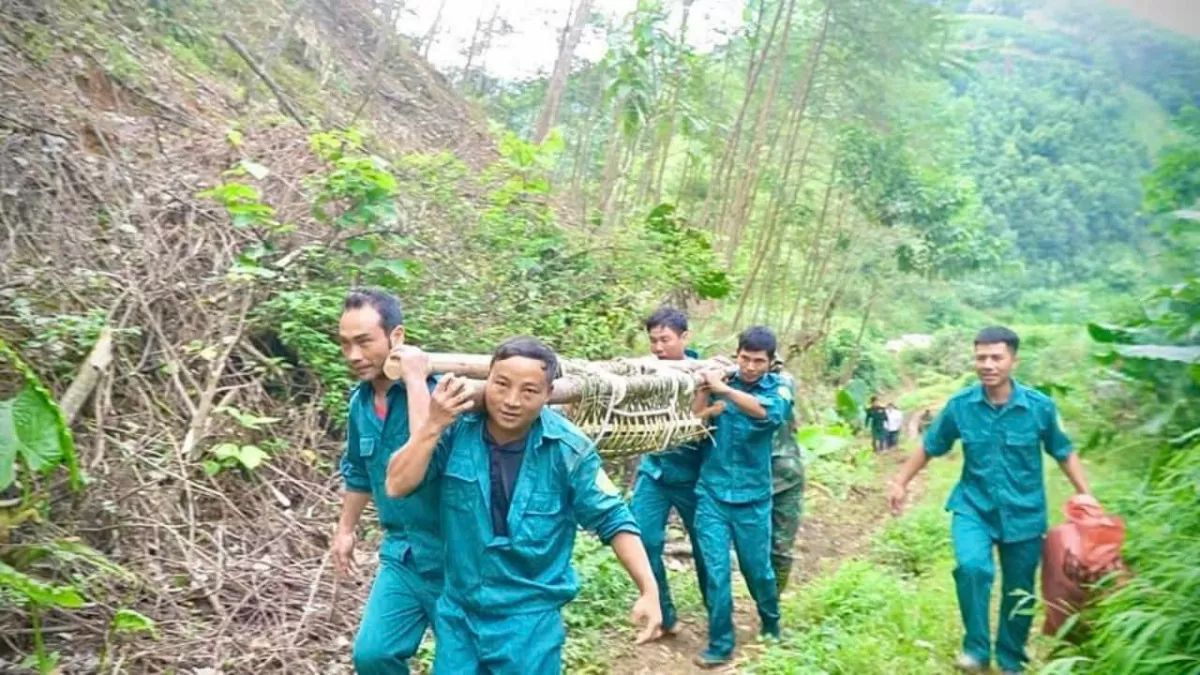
[409,580]
[667,479]
[787,488]
[517,480]
[1000,500]
[734,490]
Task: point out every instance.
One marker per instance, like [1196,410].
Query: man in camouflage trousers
[787,492]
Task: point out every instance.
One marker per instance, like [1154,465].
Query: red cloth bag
[1076,555]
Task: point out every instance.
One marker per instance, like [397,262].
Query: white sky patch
[529,50]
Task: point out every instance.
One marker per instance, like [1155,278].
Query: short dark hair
[390,312]
[668,317]
[996,334]
[757,339]
[530,348]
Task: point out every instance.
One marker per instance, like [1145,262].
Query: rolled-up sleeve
[942,434]
[597,502]
[1054,440]
[777,408]
[353,470]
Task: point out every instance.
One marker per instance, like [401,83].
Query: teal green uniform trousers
[399,609]
[651,505]
[973,576]
[748,526]
[503,644]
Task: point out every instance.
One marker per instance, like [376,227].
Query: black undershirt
[504,462]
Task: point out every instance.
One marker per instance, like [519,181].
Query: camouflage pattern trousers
[787,507]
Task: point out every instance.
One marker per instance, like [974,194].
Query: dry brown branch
[88,376]
[284,101]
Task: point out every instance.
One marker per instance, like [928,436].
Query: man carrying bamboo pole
[667,479]
[734,490]
[516,481]
[409,580]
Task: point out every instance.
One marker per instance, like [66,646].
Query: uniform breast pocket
[1021,450]
[459,489]
[543,515]
[366,447]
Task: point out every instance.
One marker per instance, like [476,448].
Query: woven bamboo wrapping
[626,406]
[631,407]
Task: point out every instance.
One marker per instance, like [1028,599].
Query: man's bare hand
[450,398]
[342,553]
[712,410]
[647,613]
[411,363]
[715,381]
[896,494]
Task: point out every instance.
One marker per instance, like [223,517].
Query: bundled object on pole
[627,406]
[1077,555]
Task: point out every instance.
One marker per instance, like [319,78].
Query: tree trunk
[431,34]
[466,73]
[562,68]
[744,195]
[813,251]
[657,176]
[485,44]
[724,168]
[852,362]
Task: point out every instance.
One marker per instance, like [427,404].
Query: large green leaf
[8,445]
[37,592]
[820,440]
[35,426]
[251,456]
[129,621]
[1179,354]
[1109,333]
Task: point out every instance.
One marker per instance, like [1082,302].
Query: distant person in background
[925,420]
[893,421]
[876,419]
[1000,500]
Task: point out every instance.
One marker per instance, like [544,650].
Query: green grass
[606,595]
[892,611]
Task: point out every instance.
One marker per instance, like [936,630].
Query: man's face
[364,342]
[515,393]
[665,343]
[994,363]
[752,365]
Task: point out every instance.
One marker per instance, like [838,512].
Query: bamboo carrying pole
[567,389]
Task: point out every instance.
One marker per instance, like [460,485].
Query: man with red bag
[1000,501]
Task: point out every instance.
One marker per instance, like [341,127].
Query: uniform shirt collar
[1018,398]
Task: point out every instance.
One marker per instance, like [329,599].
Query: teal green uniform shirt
[559,488]
[410,524]
[737,466]
[1001,481]
[678,465]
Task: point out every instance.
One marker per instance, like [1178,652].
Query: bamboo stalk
[569,388]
